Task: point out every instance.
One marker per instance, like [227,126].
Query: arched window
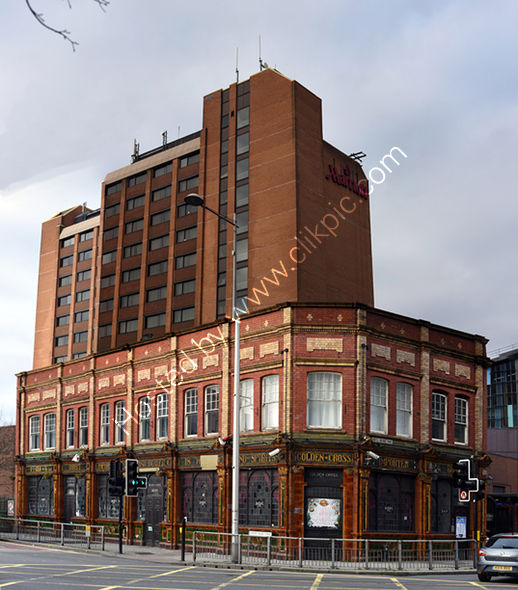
[324,400]
[379,395]
[83,426]
[144,419]
[404,410]
[270,402]
[162,415]
[212,409]
[439,415]
[105,424]
[34,433]
[461,420]
[49,430]
[246,399]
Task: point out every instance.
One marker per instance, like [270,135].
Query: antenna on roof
[164,139]
[135,154]
[262,64]
[237,65]
[358,156]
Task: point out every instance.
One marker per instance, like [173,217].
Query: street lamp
[196,200]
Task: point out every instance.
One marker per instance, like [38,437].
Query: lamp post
[196,200]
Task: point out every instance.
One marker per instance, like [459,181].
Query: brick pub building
[352,418]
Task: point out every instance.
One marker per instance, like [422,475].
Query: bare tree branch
[62,32]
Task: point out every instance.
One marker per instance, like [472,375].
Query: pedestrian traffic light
[115,479]
[463,480]
[133,480]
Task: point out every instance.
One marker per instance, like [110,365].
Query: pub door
[69,509]
[154,510]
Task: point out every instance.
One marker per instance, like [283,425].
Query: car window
[503,542]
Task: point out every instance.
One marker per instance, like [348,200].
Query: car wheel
[484,577]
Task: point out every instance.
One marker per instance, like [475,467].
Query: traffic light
[463,480]
[115,479]
[133,480]
[480,494]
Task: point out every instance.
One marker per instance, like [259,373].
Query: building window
[155,320]
[107,281]
[391,502]
[49,431]
[34,433]
[442,509]
[66,280]
[185,209]
[162,415]
[243,117]
[324,400]
[189,159]
[242,143]
[246,405]
[81,316]
[438,416]
[160,242]
[135,202]
[62,340]
[212,409]
[259,497]
[120,421]
[106,305]
[161,193]
[66,242]
[104,432]
[112,210]
[242,221]
[63,320]
[241,278]
[84,255]
[187,184]
[40,497]
[131,275]
[127,326]
[242,250]
[86,235]
[242,195]
[156,294]
[461,420]
[83,295]
[108,506]
[200,496]
[80,336]
[404,409]
[129,300]
[185,260]
[157,268]
[144,419]
[64,300]
[184,287]
[379,390]
[137,179]
[270,402]
[84,275]
[160,217]
[133,226]
[183,315]
[105,330]
[242,169]
[60,359]
[111,233]
[71,427]
[183,235]
[66,260]
[162,170]
[78,355]
[191,412]
[83,427]
[133,250]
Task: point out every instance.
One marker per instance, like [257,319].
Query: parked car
[499,557]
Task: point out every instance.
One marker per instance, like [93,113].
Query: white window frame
[404,405]
[120,421]
[35,433]
[440,413]
[83,426]
[211,407]
[144,419]
[71,428]
[323,400]
[378,405]
[49,431]
[461,419]
[104,430]
[246,405]
[190,411]
[162,416]
[270,402]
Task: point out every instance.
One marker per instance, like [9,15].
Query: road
[28,568]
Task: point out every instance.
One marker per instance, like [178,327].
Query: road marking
[398,583]
[477,585]
[109,587]
[182,569]
[90,569]
[317,581]
[233,580]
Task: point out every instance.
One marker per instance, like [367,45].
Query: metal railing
[341,554]
[43,531]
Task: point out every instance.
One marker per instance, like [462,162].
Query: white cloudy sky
[438,79]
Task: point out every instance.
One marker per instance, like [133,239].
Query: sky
[436,79]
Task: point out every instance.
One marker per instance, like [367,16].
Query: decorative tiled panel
[380,351]
[269,348]
[247,353]
[403,356]
[144,374]
[211,360]
[462,371]
[324,344]
[440,365]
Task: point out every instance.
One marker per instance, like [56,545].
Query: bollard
[268,550]
[102,538]
[194,546]
[399,555]
[456,554]
[38,532]
[430,555]
[62,533]
[332,553]
[300,552]
[366,554]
